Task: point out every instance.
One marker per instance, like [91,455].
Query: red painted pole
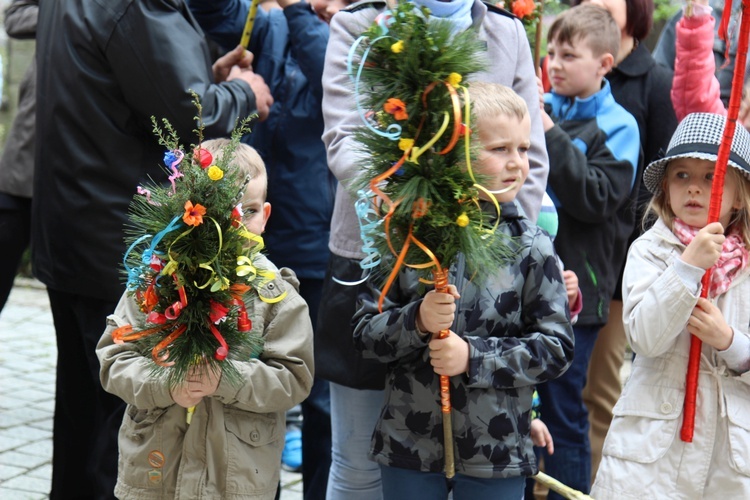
[717,190]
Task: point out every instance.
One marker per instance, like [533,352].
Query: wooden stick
[557,486]
[249,23]
[538,41]
[441,285]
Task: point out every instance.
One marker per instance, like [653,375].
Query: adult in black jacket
[105,67]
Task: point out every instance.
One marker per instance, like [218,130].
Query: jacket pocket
[254,445]
[651,411]
[738,413]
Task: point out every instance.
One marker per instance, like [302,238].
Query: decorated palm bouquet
[418,197]
[191,264]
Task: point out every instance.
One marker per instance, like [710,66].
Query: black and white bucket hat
[698,136]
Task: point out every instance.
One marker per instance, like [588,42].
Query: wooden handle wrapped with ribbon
[441,285]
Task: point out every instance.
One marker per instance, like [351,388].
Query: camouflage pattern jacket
[517,325]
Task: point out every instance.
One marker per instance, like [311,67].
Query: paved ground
[27,389]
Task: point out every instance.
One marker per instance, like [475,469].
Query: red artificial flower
[203,157]
[523,8]
[218,312]
[236,216]
[397,108]
[193,214]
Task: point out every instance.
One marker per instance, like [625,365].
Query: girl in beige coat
[643,454]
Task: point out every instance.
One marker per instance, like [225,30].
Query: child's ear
[606,62]
[266,214]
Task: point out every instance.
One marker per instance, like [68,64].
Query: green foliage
[664,10]
[408,62]
[180,271]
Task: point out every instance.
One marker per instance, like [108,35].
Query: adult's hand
[237,57]
[263,97]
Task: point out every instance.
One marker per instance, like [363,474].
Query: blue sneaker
[291,457]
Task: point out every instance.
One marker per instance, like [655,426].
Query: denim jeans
[406,484]
[354,413]
[567,418]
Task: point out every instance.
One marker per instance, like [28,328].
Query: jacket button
[666,408]
[254,436]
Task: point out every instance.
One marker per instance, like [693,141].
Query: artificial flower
[523,8]
[454,79]
[215,173]
[218,312]
[169,158]
[237,215]
[405,144]
[420,208]
[462,220]
[397,108]
[397,47]
[193,214]
[203,157]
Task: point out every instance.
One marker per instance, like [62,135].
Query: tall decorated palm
[191,264]
[418,198]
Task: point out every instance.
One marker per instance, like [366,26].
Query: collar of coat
[638,62]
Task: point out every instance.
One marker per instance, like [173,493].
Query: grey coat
[17,161]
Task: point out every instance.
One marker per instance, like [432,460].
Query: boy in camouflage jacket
[507,335]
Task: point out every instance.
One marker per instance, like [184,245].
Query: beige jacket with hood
[232,449]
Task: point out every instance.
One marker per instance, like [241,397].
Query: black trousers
[87,419]
[15,233]
[316,414]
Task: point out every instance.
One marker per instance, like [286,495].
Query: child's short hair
[492,99]
[245,158]
[589,23]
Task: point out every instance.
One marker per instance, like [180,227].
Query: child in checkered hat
[643,454]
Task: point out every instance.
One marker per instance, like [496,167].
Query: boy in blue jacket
[288,47]
[593,145]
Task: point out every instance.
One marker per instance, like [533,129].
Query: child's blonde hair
[659,205]
[245,158]
[492,99]
[589,23]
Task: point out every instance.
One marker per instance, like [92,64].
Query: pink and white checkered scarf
[733,257]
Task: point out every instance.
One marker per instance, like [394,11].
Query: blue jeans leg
[563,411]
[354,413]
[406,484]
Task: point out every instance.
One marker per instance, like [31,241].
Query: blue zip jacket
[593,152]
[289,52]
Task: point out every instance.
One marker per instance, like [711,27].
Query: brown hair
[659,206]
[245,158]
[492,99]
[590,24]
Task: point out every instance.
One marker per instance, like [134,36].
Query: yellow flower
[462,220]
[405,144]
[454,79]
[397,47]
[215,173]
